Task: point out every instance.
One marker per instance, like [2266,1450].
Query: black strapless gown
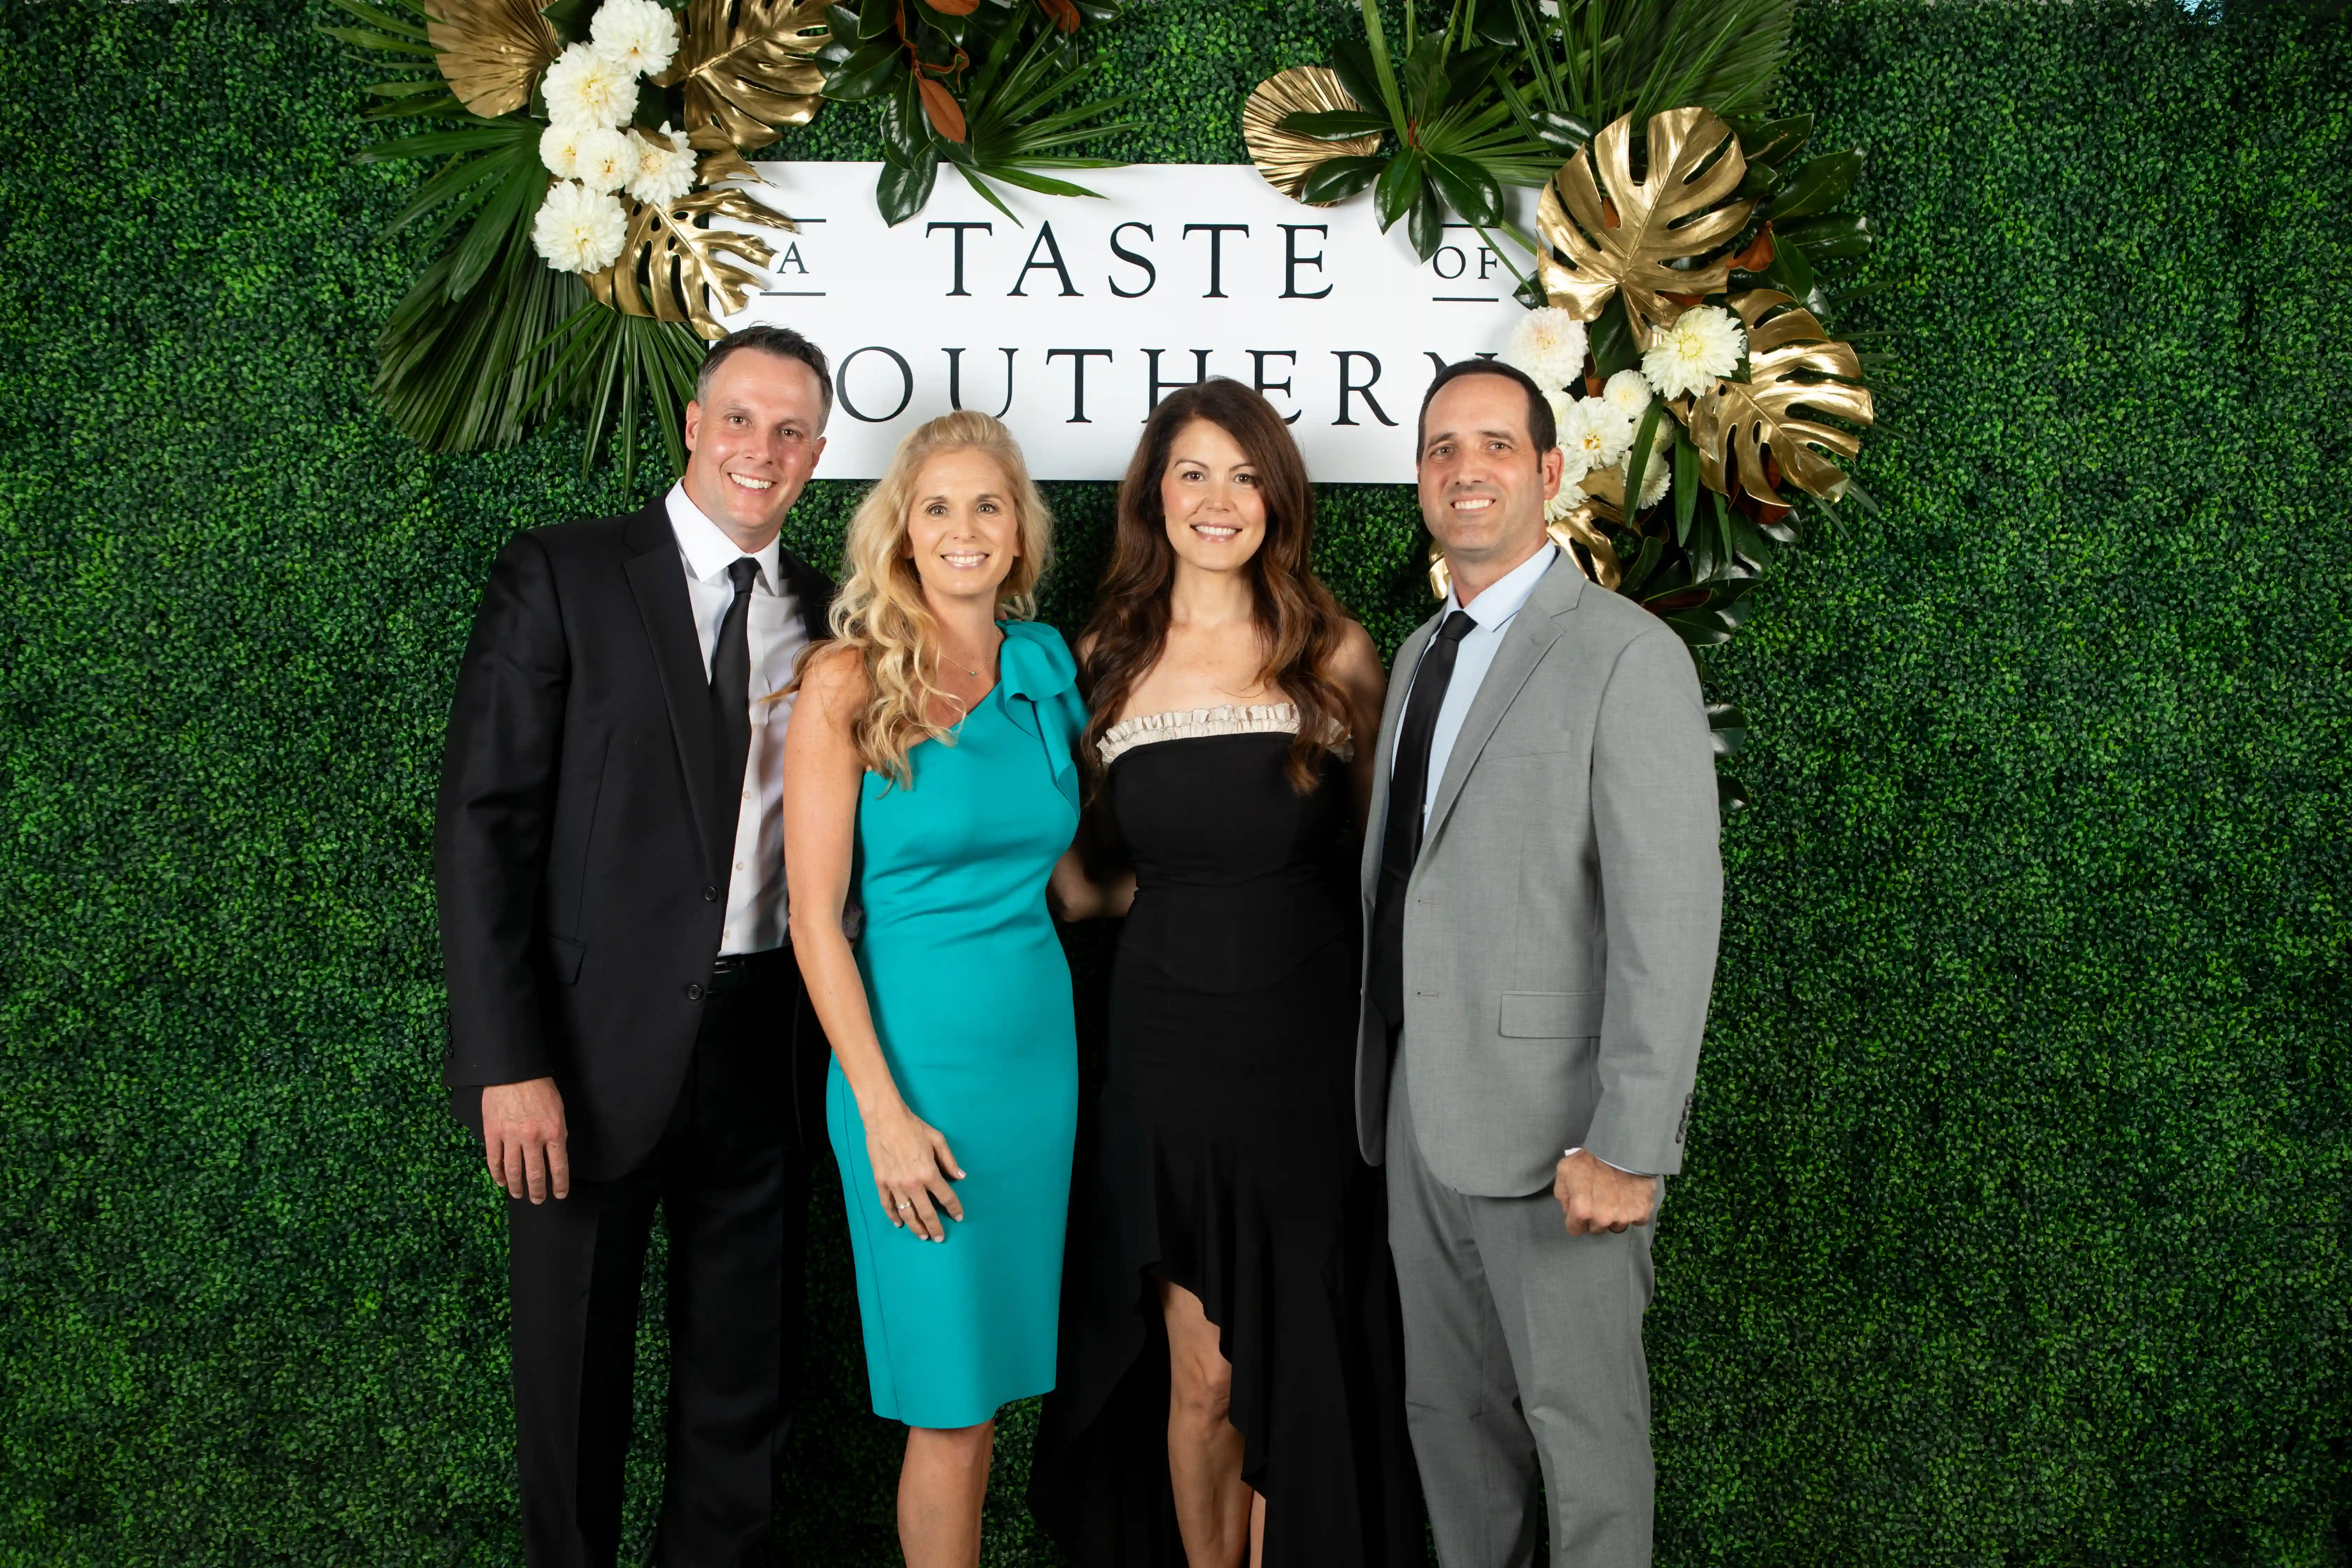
[1226,1162]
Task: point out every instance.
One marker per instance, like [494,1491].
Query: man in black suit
[626,1024]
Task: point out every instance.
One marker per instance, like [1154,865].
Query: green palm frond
[612,368]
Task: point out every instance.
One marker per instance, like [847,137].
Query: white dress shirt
[755,878]
[1494,611]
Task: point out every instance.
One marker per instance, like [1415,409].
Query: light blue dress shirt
[1494,611]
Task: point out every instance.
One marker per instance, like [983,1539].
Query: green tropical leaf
[1427,227]
[1817,185]
[612,368]
[1398,188]
[1468,188]
[869,70]
[1335,179]
[1353,63]
[903,188]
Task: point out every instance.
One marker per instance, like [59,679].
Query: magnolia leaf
[750,70]
[940,107]
[676,267]
[491,50]
[1287,157]
[1612,235]
[1737,421]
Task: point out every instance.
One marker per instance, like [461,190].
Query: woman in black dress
[1231,1387]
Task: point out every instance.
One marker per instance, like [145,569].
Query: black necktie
[1408,785]
[730,699]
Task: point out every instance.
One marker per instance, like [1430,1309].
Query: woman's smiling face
[1208,493]
[962,533]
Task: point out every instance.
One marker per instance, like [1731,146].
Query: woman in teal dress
[931,789]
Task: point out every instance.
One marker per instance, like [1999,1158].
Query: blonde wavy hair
[880,610]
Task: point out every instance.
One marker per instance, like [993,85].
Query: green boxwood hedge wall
[2015,1225]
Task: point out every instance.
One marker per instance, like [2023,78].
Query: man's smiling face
[1483,482]
[753,439]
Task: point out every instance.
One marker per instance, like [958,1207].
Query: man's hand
[523,1139]
[1596,1196]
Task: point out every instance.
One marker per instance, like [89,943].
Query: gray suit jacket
[1561,925]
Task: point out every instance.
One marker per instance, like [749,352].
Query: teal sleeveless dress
[970,997]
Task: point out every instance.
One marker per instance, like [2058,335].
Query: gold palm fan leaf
[1612,234]
[675,266]
[1738,421]
[490,50]
[1284,157]
[750,70]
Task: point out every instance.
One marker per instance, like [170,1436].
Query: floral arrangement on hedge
[1679,278]
[590,154]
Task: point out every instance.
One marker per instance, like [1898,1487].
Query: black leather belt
[737,969]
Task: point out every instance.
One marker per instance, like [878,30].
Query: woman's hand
[911,1166]
[1074,894]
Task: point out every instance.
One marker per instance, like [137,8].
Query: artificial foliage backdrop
[2014,1228]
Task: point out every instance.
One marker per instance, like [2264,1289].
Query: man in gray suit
[1542,892]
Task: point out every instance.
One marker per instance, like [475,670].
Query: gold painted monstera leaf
[1284,157]
[490,50]
[1615,235]
[1739,421]
[676,267]
[750,70]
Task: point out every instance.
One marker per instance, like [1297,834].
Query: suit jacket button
[709,895]
[694,993]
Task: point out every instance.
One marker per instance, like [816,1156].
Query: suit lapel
[658,581]
[1532,631]
[1408,660]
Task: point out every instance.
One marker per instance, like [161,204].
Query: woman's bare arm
[822,775]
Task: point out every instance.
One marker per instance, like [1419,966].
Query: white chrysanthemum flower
[664,167]
[1595,436]
[1628,394]
[578,229]
[607,159]
[638,36]
[558,148]
[1571,497]
[1702,346]
[1549,344]
[584,87]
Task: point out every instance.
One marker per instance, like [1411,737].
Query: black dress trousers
[732,1171]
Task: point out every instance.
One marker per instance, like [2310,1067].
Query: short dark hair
[1542,429]
[780,340]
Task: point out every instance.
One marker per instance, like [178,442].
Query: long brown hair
[1296,614]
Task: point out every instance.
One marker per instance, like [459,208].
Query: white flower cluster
[1595,433]
[590,147]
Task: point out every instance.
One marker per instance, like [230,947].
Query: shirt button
[693,992]
[739,864]
[709,895]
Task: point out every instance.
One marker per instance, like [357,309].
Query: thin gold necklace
[959,663]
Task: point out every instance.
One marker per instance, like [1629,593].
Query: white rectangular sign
[1073,323]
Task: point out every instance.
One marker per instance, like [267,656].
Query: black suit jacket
[580,846]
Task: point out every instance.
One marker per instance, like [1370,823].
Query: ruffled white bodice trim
[1226,718]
